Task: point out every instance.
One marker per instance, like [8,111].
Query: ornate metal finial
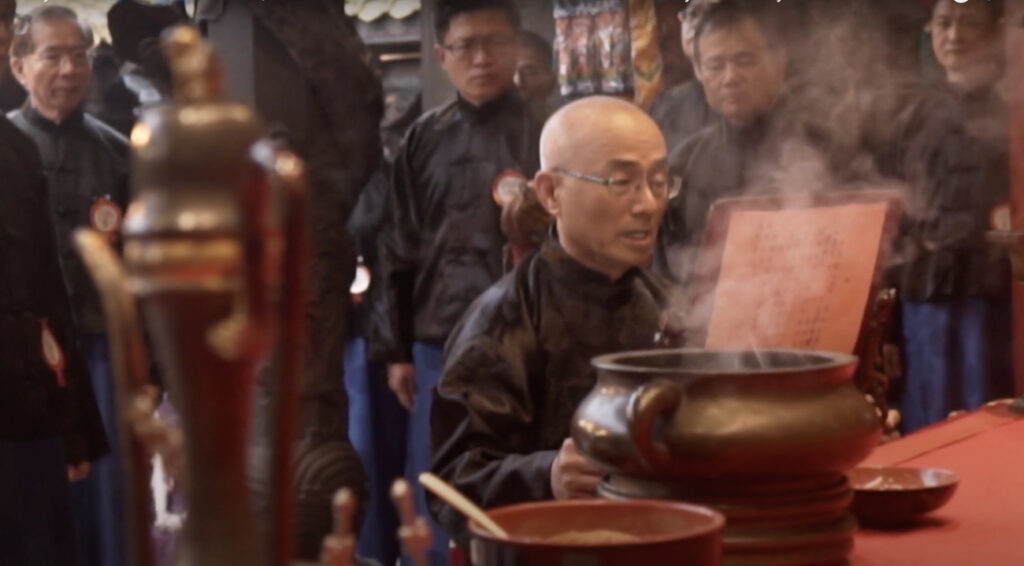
[195,68]
[339,548]
[414,534]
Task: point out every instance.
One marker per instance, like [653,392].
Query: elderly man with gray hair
[86,164]
[50,429]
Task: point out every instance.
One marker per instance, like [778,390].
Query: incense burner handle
[650,404]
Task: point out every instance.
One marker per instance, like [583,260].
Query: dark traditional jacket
[85,161]
[681,112]
[517,366]
[718,162]
[35,398]
[443,245]
[966,175]
[365,225]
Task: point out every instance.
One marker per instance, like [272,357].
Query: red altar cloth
[984,522]
[983,525]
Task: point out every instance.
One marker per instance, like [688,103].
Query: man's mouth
[639,236]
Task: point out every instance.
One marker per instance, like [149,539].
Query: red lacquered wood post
[1015,90]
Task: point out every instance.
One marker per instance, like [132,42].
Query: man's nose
[481,55]
[645,201]
[67,65]
[955,32]
[732,74]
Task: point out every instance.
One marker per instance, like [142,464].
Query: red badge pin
[507,185]
[105,216]
[53,355]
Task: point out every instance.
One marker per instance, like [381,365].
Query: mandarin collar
[583,280]
[752,134]
[986,93]
[73,120]
[510,99]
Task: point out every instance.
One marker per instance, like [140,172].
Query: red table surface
[984,522]
[983,525]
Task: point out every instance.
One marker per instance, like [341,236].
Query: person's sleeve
[391,335]
[482,431]
[82,428]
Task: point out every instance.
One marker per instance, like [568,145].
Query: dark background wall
[536,15]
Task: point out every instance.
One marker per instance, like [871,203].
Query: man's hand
[156,436]
[402,381]
[79,471]
[573,476]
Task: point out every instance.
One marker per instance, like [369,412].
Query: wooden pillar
[1015,90]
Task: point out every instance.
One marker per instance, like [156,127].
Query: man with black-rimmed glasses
[443,244]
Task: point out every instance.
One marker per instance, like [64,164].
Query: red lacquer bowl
[896,496]
[601,533]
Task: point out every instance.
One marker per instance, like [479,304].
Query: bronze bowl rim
[946,479]
[716,522]
[614,362]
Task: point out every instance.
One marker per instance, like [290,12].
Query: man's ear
[18,68]
[439,54]
[545,184]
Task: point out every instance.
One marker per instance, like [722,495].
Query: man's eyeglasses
[661,185]
[54,58]
[465,49]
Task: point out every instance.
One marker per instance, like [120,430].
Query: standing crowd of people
[490,359]
[511,236]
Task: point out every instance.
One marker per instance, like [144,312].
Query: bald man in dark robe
[518,363]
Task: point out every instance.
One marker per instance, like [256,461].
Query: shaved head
[591,126]
[604,178]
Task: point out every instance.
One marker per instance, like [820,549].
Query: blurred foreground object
[414,533]
[214,256]
[303,68]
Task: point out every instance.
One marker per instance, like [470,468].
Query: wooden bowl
[601,533]
[896,496]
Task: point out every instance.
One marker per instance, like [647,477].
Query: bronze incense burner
[765,437]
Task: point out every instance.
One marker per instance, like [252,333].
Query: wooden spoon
[453,497]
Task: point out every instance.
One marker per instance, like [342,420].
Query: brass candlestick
[214,257]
